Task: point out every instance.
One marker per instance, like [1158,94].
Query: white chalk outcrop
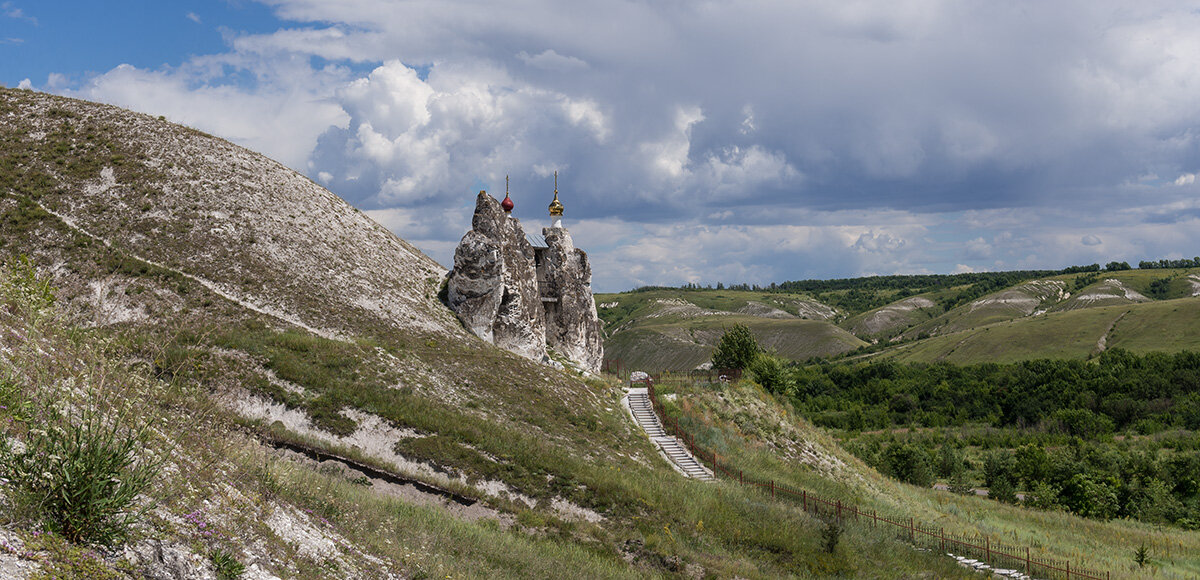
[494,288]
[572,325]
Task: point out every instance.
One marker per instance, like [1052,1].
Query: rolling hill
[668,329]
[306,405]
[676,329]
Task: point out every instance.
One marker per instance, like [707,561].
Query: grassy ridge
[1168,326]
[671,329]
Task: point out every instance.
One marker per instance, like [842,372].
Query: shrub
[909,464]
[1141,556]
[767,371]
[1090,498]
[1083,423]
[949,461]
[1002,490]
[830,534]
[1042,495]
[1031,464]
[959,483]
[996,464]
[81,478]
[737,349]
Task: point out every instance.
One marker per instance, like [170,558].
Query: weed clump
[227,566]
[69,464]
[1141,556]
[81,478]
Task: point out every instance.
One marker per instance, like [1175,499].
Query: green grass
[632,305]
[679,345]
[900,320]
[1169,326]
[642,338]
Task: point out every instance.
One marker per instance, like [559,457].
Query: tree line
[868,292]
[1115,391]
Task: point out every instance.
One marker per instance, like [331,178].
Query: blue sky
[696,142]
[79,39]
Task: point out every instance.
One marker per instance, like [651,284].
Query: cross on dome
[507,204]
[556,207]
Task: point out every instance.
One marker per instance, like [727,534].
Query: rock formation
[524,296]
[572,325]
[493,287]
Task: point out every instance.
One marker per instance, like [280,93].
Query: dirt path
[943,356]
[211,286]
[1102,344]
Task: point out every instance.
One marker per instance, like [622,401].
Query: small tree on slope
[736,350]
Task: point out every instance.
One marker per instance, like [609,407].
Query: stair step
[644,415]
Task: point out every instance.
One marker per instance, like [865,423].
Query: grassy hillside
[1059,293]
[217,499]
[675,329]
[665,329]
[687,344]
[751,429]
[889,320]
[1170,326]
[312,403]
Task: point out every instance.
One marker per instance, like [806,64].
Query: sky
[696,141]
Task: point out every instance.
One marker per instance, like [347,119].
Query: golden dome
[556,207]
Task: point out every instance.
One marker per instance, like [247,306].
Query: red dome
[507,204]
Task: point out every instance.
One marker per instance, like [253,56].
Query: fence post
[839,510]
[874,519]
[942,536]
[1028,564]
[741,477]
[1068,570]
[772,489]
[912,532]
[987,547]
[806,500]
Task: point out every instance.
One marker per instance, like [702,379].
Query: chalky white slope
[245,226]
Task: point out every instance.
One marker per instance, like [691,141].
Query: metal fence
[986,549]
[617,367]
